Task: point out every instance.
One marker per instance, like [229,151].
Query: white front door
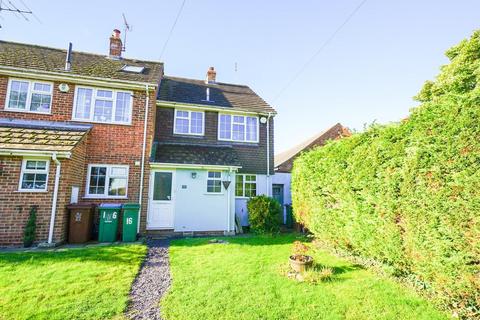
[160,209]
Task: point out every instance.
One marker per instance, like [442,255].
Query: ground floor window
[246,185]
[107,181]
[34,175]
[214,182]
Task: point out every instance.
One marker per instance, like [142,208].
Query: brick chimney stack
[211,75]
[115,45]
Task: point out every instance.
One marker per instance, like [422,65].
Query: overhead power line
[31,12]
[171,30]
[322,47]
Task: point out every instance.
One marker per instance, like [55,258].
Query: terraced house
[74,127]
[213,148]
[92,128]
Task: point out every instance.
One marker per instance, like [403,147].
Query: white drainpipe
[268,154]
[144,146]
[55,196]
[229,194]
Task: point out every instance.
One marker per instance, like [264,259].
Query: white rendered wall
[197,210]
[241,203]
[285,179]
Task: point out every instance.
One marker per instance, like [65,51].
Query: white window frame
[189,118]
[30,92]
[245,126]
[243,184]
[105,194]
[214,179]
[34,171]
[92,105]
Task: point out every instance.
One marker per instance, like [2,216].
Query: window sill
[32,191]
[243,143]
[100,122]
[214,193]
[188,135]
[26,111]
[105,197]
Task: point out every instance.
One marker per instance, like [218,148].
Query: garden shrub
[264,214]
[31,226]
[408,194]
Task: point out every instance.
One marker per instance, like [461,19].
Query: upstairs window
[101,105]
[246,185]
[34,175]
[189,122]
[107,181]
[214,182]
[237,128]
[29,96]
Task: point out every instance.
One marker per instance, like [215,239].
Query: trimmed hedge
[264,214]
[408,194]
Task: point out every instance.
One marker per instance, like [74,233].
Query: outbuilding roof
[40,135]
[284,161]
[40,58]
[190,91]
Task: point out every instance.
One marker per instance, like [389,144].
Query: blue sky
[369,72]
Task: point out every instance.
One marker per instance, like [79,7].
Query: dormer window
[29,96]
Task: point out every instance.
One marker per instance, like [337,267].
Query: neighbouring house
[74,126]
[212,151]
[90,128]
[284,161]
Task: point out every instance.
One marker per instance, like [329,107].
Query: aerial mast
[126,27]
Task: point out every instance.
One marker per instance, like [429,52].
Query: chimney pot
[211,75]
[116,45]
[116,33]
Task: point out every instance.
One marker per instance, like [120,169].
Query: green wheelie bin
[130,222]
[109,214]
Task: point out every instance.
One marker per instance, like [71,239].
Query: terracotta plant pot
[300,263]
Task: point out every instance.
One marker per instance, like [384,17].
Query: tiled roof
[233,96]
[194,154]
[285,159]
[40,135]
[28,56]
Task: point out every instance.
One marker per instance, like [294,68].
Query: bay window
[102,105]
[29,96]
[107,181]
[237,128]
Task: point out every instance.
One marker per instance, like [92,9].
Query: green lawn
[242,280]
[86,283]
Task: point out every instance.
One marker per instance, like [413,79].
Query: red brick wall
[106,144]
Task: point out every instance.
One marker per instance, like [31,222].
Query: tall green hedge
[408,194]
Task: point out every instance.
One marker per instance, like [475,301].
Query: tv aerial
[126,27]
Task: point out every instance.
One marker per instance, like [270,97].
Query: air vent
[133,69]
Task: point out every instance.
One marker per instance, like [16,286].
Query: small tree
[29,233]
[264,214]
